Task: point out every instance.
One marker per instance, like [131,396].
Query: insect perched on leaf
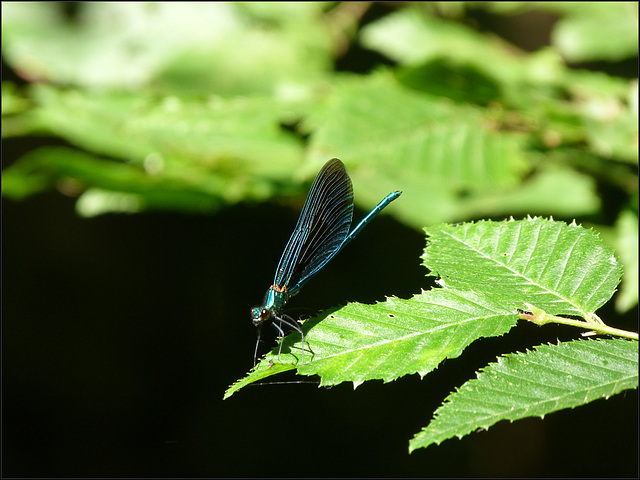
[322,230]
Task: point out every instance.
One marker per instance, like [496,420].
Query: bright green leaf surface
[562,269]
[550,378]
[488,270]
[261,371]
[389,339]
[400,337]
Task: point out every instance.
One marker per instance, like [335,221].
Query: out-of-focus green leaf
[12,101]
[181,46]
[125,187]
[627,247]
[241,137]
[552,190]
[555,103]
[597,31]
[413,38]
[451,161]
[611,126]
[462,83]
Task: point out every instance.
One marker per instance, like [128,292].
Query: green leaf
[220,151]
[416,39]
[440,153]
[389,339]
[541,94]
[452,161]
[12,101]
[216,47]
[598,31]
[259,372]
[455,140]
[488,271]
[411,37]
[201,132]
[562,269]
[521,385]
[611,126]
[115,186]
[627,247]
[552,189]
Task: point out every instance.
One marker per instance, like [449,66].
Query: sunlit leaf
[536,383]
[488,270]
[562,269]
[389,339]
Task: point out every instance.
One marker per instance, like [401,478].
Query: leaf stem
[541,317]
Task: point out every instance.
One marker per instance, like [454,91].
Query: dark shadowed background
[119,341]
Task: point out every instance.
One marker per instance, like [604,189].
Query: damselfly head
[259,315]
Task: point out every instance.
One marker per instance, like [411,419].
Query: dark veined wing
[322,227]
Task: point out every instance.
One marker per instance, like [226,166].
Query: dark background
[121,334]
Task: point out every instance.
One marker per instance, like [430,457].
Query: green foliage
[627,246]
[192,108]
[565,268]
[489,272]
[550,378]
[391,339]
[216,47]
[615,23]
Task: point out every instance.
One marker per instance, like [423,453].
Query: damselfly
[322,230]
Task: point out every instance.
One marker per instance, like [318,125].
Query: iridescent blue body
[321,232]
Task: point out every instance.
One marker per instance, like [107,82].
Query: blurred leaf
[12,101]
[240,139]
[451,161]
[445,58]
[533,384]
[611,127]
[124,187]
[627,247]
[431,135]
[552,190]
[201,132]
[412,37]
[597,31]
[185,47]
[462,83]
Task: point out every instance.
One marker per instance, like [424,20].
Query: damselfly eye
[259,315]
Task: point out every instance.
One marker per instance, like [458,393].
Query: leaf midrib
[518,274]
